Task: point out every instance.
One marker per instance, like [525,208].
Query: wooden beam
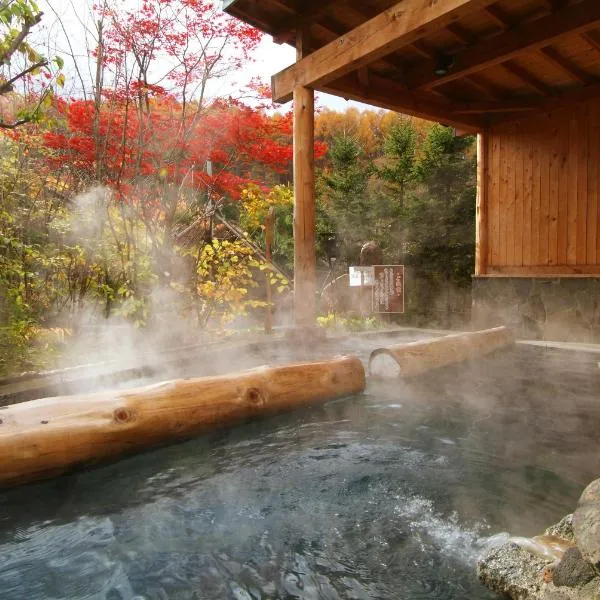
[499,16]
[502,106]
[536,34]
[397,27]
[552,5]
[553,56]
[313,11]
[364,79]
[259,17]
[333,30]
[486,86]
[591,37]
[482,233]
[425,49]
[526,77]
[389,95]
[462,34]
[558,101]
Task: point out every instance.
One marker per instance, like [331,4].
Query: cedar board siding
[542,194]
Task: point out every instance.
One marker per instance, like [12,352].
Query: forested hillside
[132,192]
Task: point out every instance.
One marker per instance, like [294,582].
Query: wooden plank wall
[542,194]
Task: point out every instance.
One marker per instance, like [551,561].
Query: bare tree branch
[27,25]
[7,86]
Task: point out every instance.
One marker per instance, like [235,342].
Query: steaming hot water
[389,495]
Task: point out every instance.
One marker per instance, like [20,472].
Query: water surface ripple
[389,495]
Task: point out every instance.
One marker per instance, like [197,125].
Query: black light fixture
[443,64]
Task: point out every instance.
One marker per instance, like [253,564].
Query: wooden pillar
[305,258]
[482,226]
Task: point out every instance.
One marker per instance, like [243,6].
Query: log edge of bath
[415,358]
[46,438]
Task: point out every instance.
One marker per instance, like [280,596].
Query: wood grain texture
[537,56]
[305,233]
[399,26]
[543,191]
[420,357]
[567,21]
[582,133]
[48,437]
[482,210]
[593,220]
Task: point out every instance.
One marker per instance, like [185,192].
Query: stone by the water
[572,571]
[524,572]
[512,571]
[563,529]
[586,524]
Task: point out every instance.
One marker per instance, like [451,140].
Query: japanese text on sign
[388,289]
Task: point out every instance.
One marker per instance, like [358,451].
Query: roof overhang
[467,63]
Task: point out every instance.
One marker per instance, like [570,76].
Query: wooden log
[408,360]
[48,437]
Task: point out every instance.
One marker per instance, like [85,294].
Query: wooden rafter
[553,56]
[314,10]
[537,34]
[364,79]
[553,5]
[526,77]
[499,16]
[397,27]
[260,18]
[592,38]
[425,49]
[504,106]
[487,87]
[387,94]
[462,34]
[562,99]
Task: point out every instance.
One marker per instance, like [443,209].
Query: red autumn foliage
[243,143]
[155,125]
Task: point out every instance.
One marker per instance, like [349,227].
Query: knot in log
[123,415]
[254,397]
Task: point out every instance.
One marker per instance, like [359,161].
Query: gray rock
[563,529]
[572,571]
[557,596]
[512,571]
[586,524]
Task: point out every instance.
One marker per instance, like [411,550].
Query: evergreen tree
[344,187]
[441,215]
[399,150]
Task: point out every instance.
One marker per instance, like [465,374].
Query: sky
[270,58]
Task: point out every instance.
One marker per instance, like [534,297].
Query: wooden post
[269,225]
[482,233]
[305,257]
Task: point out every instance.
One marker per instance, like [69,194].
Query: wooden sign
[388,289]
